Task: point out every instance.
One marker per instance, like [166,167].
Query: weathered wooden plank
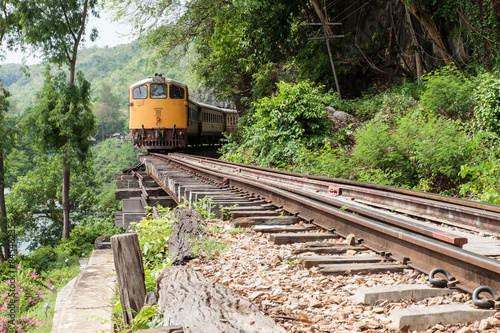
[190,300]
[264,220]
[127,257]
[279,239]
[188,225]
[361,268]
[310,261]
[246,208]
[127,193]
[282,228]
[330,249]
[250,213]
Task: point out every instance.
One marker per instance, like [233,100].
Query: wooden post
[129,273]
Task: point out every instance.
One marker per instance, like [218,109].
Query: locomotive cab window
[140,92]
[176,92]
[159,91]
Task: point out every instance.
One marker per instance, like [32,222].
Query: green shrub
[154,235]
[448,92]
[278,127]
[487,111]
[48,258]
[423,152]
[482,174]
[327,161]
[393,103]
[83,236]
[484,181]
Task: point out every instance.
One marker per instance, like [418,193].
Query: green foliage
[326,161]
[238,230]
[207,247]
[63,118]
[487,112]
[393,103]
[154,234]
[417,148]
[203,206]
[110,119]
[83,236]
[482,174]
[35,290]
[55,28]
[29,290]
[484,181]
[111,156]
[148,317]
[48,258]
[282,125]
[449,92]
[33,204]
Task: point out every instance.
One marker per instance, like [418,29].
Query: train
[163,118]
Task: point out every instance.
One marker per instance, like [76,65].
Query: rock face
[341,117]
[190,300]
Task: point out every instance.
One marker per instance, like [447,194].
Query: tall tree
[56,28]
[7,26]
[4,142]
[234,40]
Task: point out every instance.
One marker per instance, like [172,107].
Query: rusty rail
[422,252]
[438,208]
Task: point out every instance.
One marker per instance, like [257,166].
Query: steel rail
[385,188]
[423,253]
[426,205]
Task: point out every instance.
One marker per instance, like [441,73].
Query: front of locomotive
[158,114]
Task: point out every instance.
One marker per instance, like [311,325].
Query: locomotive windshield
[176,91]
[140,92]
[159,90]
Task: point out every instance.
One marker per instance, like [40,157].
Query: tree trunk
[65,194]
[429,25]
[418,57]
[3,214]
[66,165]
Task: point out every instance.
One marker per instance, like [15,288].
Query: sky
[110,34]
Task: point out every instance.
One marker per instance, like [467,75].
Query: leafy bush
[482,174]
[278,127]
[83,236]
[47,258]
[449,92]
[327,161]
[484,181]
[487,112]
[423,152]
[154,235]
[28,290]
[393,103]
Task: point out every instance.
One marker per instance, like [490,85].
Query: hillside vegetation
[116,67]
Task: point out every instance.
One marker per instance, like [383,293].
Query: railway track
[399,225]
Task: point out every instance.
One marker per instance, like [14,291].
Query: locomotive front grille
[152,139]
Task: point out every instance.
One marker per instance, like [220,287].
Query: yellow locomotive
[162,117]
